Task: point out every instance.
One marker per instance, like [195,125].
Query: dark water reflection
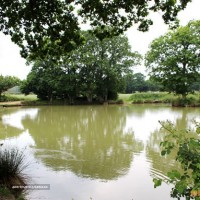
[102,152]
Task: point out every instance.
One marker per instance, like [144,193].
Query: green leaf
[157,182]
[163,153]
[198,166]
[174,174]
[180,187]
[198,130]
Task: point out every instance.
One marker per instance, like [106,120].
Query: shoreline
[40,103]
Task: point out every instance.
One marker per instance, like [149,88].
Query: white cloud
[140,40]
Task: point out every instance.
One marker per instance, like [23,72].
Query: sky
[12,64]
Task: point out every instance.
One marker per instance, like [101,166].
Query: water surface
[94,152]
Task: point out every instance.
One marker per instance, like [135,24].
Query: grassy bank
[18,97]
[147,97]
[161,97]
[135,98]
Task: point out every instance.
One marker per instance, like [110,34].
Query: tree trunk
[89,98]
[50,97]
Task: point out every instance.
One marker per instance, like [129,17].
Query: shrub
[191,100]
[187,145]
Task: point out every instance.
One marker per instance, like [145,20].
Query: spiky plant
[12,166]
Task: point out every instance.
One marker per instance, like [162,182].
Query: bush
[191,100]
[187,145]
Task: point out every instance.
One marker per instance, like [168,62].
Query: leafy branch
[186,144]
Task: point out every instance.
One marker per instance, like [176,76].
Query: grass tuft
[11,167]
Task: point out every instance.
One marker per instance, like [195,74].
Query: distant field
[21,97]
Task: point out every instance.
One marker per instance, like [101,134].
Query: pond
[107,152]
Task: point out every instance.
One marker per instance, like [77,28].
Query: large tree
[46,27]
[102,65]
[6,82]
[174,59]
[94,71]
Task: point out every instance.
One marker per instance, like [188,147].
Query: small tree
[7,82]
[173,59]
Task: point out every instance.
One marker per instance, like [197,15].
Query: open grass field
[21,97]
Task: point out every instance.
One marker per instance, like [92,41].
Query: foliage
[7,82]
[6,193]
[137,83]
[42,80]
[11,167]
[187,147]
[173,59]
[153,85]
[50,28]
[191,100]
[196,85]
[93,71]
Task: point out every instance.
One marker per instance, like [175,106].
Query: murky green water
[94,152]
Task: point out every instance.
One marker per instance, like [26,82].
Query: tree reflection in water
[87,140]
[161,165]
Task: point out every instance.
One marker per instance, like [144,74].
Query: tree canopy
[94,71]
[174,59]
[137,83]
[7,82]
[45,27]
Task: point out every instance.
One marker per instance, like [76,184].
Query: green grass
[6,193]
[124,97]
[147,97]
[21,97]
[160,97]
[151,97]
[11,167]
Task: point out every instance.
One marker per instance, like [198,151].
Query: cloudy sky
[12,64]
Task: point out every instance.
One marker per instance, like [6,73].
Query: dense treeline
[100,69]
[137,83]
[95,71]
